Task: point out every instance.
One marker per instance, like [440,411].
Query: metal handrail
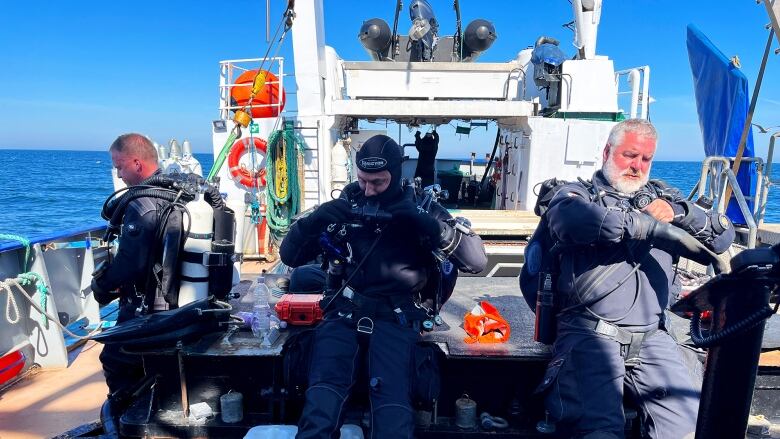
[767,181]
[226,82]
[636,80]
[727,178]
[44,239]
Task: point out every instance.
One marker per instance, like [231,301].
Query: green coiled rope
[24,241]
[32,277]
[281,210]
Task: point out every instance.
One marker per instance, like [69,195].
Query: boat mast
[587,14]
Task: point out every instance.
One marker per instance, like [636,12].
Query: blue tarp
[547,53]
[722,100]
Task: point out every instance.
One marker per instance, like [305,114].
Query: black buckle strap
[614,332]
[631,342]
[207,259]
[632,354]
[399,308]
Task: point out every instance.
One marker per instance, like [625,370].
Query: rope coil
[285,147]
[22,280]
[11,305]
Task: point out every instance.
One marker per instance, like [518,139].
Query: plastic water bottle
[261,311]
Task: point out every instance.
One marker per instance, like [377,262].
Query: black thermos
[545,326]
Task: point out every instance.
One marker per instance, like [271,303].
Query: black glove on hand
[421,222]
[332,212]
[674,241]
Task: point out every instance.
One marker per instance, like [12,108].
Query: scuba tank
[194,275]
[187,161]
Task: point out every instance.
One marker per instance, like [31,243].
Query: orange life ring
[241,172]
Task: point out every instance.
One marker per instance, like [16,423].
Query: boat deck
[48,403]
[489,223]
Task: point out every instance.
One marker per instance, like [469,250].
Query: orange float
[241,172]
[266,102]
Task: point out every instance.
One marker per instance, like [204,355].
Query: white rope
[6,286]
[10,303]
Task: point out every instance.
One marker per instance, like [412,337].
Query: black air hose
[214,198]
[710,340]
[112,202]
[114,211]
[492,157]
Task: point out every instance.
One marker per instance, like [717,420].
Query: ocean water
[46,192]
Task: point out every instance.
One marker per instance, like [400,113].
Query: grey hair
[136,145]
[641,127]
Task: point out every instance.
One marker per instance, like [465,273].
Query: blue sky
[76,74]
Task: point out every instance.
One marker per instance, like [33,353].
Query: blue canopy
[722,101]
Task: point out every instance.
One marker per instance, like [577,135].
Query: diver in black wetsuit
[390,269]
[427,147]
[135,159]
[620,236]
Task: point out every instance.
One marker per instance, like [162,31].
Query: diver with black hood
[378,322]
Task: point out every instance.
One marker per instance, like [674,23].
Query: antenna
[394,39]
[457,49]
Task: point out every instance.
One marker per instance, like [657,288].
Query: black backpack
[540,243]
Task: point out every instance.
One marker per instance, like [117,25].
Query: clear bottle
[261,311]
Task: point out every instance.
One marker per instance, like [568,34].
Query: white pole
[633,79]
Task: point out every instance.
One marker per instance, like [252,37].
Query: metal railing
[638,78]
[716,176]
[229,70]
[767,180]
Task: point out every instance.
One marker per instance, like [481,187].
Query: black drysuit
[427,147]
[393,274]
[128,273]
[605,299]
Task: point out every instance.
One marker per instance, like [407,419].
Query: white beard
[619,182]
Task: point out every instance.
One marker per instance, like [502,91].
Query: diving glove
[674,241]
[426,225]
[332,212]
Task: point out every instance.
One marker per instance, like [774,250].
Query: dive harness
[168,248]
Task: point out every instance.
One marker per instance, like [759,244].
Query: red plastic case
[299,309]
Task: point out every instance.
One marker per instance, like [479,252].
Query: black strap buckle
[614,332]
[216,259]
